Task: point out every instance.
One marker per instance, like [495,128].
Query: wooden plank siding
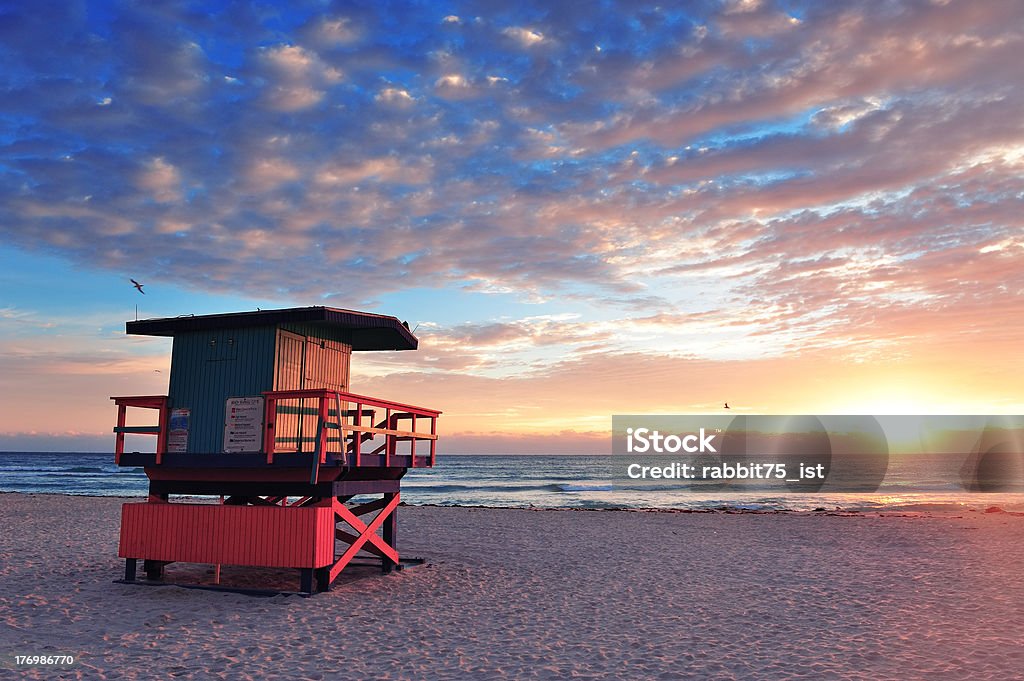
[269,536]
[327,365]
[326,358]
[208,367]
[302,361]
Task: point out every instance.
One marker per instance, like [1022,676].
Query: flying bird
[138,286]
[726,405]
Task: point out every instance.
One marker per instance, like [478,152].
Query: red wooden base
[267,533]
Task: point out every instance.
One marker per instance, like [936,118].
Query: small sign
[243,424]
[177,432]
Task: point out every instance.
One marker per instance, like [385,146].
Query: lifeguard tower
[259,414]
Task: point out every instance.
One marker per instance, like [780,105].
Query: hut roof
[368,331]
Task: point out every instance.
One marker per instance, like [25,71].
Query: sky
[584,209]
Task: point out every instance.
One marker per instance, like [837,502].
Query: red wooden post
[433,441]
[358,434]
[119,440]
[390,534]
[412,444]
[270,427]
[389,440]
[322,430]
[161,438]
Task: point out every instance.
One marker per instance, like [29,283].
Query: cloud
[582,392]
[395,97]
[334,31]
[386,169]
[524,36]
[161,179]
[793,171]
[83,366]
[748,18]
[267,173]
[296,78]
[454,86]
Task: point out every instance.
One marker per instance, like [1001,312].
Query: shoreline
[724,510]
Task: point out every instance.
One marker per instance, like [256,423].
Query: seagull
[138,286]
[726,405]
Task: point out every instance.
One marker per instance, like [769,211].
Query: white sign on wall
[243,424]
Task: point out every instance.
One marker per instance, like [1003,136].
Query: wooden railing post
[322,429]
[357,435]
[270,427]
[161,438]
[122,411]
[412,445]
[433,441]
[389,440]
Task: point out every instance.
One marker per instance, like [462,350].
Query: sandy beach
[540,594]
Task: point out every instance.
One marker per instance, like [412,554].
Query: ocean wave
[935,506]
[9,468]
[455,489]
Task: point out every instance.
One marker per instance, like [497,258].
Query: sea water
[912,483]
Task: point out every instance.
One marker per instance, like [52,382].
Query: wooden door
[288,372]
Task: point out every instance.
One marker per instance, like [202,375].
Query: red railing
[158,402]
[328,413]
[353,417]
